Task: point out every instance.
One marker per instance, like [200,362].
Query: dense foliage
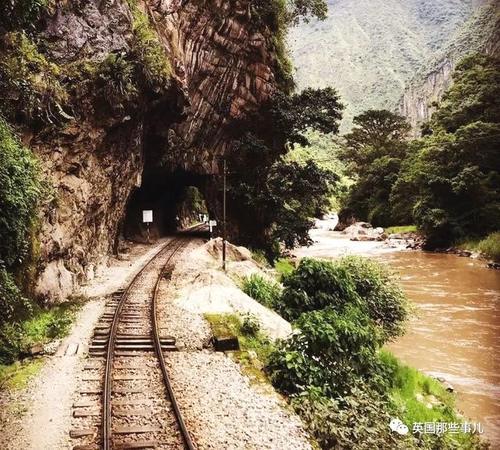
[447,182]
[278,196]
[375,150]
[20,194]
[16,14]
[29,83]
[453,181]
[148,52]
[21,189]
[330,366]
[316,285]
[329,350]
[340,382]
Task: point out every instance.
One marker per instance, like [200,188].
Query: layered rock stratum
[223,66]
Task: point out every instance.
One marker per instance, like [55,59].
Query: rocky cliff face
[481,33]
[223,66]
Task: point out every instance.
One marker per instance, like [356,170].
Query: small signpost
[211,225]
[147,218]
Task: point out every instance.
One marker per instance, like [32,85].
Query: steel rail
[106,433]
[161,358]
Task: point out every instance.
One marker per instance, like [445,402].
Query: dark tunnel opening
[176,200]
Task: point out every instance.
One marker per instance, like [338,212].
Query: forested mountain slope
[370,49]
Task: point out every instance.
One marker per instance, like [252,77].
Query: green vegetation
[17,375]
[316,285]
[116,81]
[29,83]
[262,289]
[489,246]
[283,267]
[401,229]
[276,198]
[255,347]
[21,191]
[40,327]
[15,14]
[190,206]
[337,378]
[420,398]
[451,180]
[375,150]
[325,150]
[447,182]
[147,50]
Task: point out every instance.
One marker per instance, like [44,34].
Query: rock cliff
[223,65]
[481,33]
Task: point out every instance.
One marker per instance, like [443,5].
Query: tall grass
[42,326]
[489,246]
[265,291]
[420,399]
[401,229]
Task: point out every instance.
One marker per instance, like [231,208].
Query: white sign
[212,223]
[147,216]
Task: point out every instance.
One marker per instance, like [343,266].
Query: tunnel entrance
[176,200]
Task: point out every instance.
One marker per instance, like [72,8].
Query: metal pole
[224,219]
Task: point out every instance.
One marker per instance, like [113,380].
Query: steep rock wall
[225,62]
[481,33]
[223,65]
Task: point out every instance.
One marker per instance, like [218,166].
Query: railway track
[126,399]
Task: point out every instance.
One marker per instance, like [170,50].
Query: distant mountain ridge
[370,50]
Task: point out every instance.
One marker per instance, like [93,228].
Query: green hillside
[370,49]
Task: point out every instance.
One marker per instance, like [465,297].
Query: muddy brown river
[455,333]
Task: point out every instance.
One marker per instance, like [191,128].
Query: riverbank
[455,332]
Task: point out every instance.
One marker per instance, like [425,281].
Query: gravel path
[48,399]
[39,417]
[221,408]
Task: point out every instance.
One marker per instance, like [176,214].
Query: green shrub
[20,195]
[20,13]
[316,284]
[13,304]
[357,421]
[284,266]
[40,327]
[383,299]
[29,83]
[490,246]
[263,290]
[115,78]
[11,342]
[250,325]
[153,62]
[329,351]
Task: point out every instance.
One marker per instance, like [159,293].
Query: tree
[274,199]
[376,131]
[453,181]
[375,149]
